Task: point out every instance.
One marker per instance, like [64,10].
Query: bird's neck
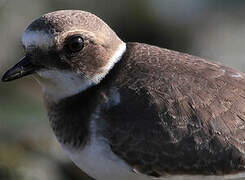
[70,117]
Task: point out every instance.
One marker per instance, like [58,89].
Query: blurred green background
[213,29]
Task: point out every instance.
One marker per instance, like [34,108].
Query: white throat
[58,84]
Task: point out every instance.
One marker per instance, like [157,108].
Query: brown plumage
[143,109]
[179,114]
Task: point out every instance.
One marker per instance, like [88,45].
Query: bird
[128,110]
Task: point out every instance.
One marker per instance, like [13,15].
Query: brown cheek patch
[92,59]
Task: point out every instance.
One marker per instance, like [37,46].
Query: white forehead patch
[39,39]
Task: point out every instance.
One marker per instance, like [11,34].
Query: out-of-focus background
[28,149]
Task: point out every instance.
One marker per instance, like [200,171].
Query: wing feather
[178,114]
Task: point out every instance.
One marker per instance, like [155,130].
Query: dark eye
[74,44]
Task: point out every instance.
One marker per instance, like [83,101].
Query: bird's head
[67,51]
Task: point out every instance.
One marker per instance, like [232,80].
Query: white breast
[98,161]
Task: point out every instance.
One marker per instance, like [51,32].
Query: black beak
[21,69]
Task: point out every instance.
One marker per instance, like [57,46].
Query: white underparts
[37,39]
[97,159]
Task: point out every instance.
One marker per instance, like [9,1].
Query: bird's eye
[75,44]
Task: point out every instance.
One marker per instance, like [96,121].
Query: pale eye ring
[74,44]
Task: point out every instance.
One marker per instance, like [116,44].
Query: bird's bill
[22,68]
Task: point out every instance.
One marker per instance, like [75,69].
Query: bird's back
[178,114]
